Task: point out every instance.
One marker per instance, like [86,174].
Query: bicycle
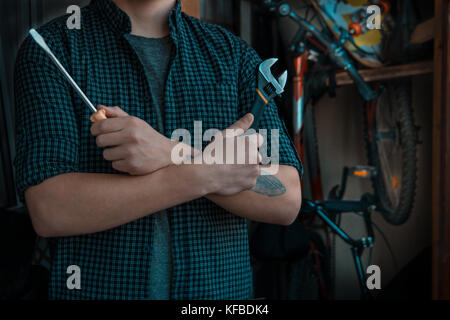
[388,117]
[389,130]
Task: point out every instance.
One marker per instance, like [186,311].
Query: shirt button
[146,248]
[147,98]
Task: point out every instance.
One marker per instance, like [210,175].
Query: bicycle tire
[398,94]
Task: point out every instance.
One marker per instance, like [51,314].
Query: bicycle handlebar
[336,52]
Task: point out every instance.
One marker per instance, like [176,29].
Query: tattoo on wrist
[269,185]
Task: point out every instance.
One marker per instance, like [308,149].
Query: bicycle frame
[323,209]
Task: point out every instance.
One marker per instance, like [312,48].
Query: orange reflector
[360,173]
[395,182]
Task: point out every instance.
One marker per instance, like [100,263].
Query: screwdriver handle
[99,115]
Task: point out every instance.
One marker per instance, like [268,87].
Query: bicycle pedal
[364,172]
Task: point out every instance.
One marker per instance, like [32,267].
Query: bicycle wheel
[391,140]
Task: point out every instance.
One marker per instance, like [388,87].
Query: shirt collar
[120,22]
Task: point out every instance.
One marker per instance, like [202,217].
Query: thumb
[113,112]
[240,126]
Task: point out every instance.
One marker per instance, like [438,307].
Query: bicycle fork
[300,67]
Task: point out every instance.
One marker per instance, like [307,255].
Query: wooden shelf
[390,72]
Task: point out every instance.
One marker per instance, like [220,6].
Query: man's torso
[209,245]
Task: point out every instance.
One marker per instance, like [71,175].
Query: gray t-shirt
[155,54]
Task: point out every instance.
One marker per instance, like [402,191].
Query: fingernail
[248,117]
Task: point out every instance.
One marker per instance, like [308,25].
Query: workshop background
[406,254]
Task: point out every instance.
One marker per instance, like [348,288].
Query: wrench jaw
[282,81]
[264,69]
[267,83]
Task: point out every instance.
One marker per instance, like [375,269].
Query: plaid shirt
[211,78]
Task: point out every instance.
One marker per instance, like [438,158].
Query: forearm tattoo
[269,185]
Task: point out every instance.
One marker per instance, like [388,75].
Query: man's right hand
[228,179]
[130,143]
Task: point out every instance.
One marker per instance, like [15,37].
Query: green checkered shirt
[211,79]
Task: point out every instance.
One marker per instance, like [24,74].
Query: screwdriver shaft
[41,42]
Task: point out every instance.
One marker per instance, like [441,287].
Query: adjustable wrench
[267,89]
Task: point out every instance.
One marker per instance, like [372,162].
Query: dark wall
[222,12]
[16,18]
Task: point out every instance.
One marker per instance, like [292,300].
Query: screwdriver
[97,114]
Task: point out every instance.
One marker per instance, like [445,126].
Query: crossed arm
[80,203]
